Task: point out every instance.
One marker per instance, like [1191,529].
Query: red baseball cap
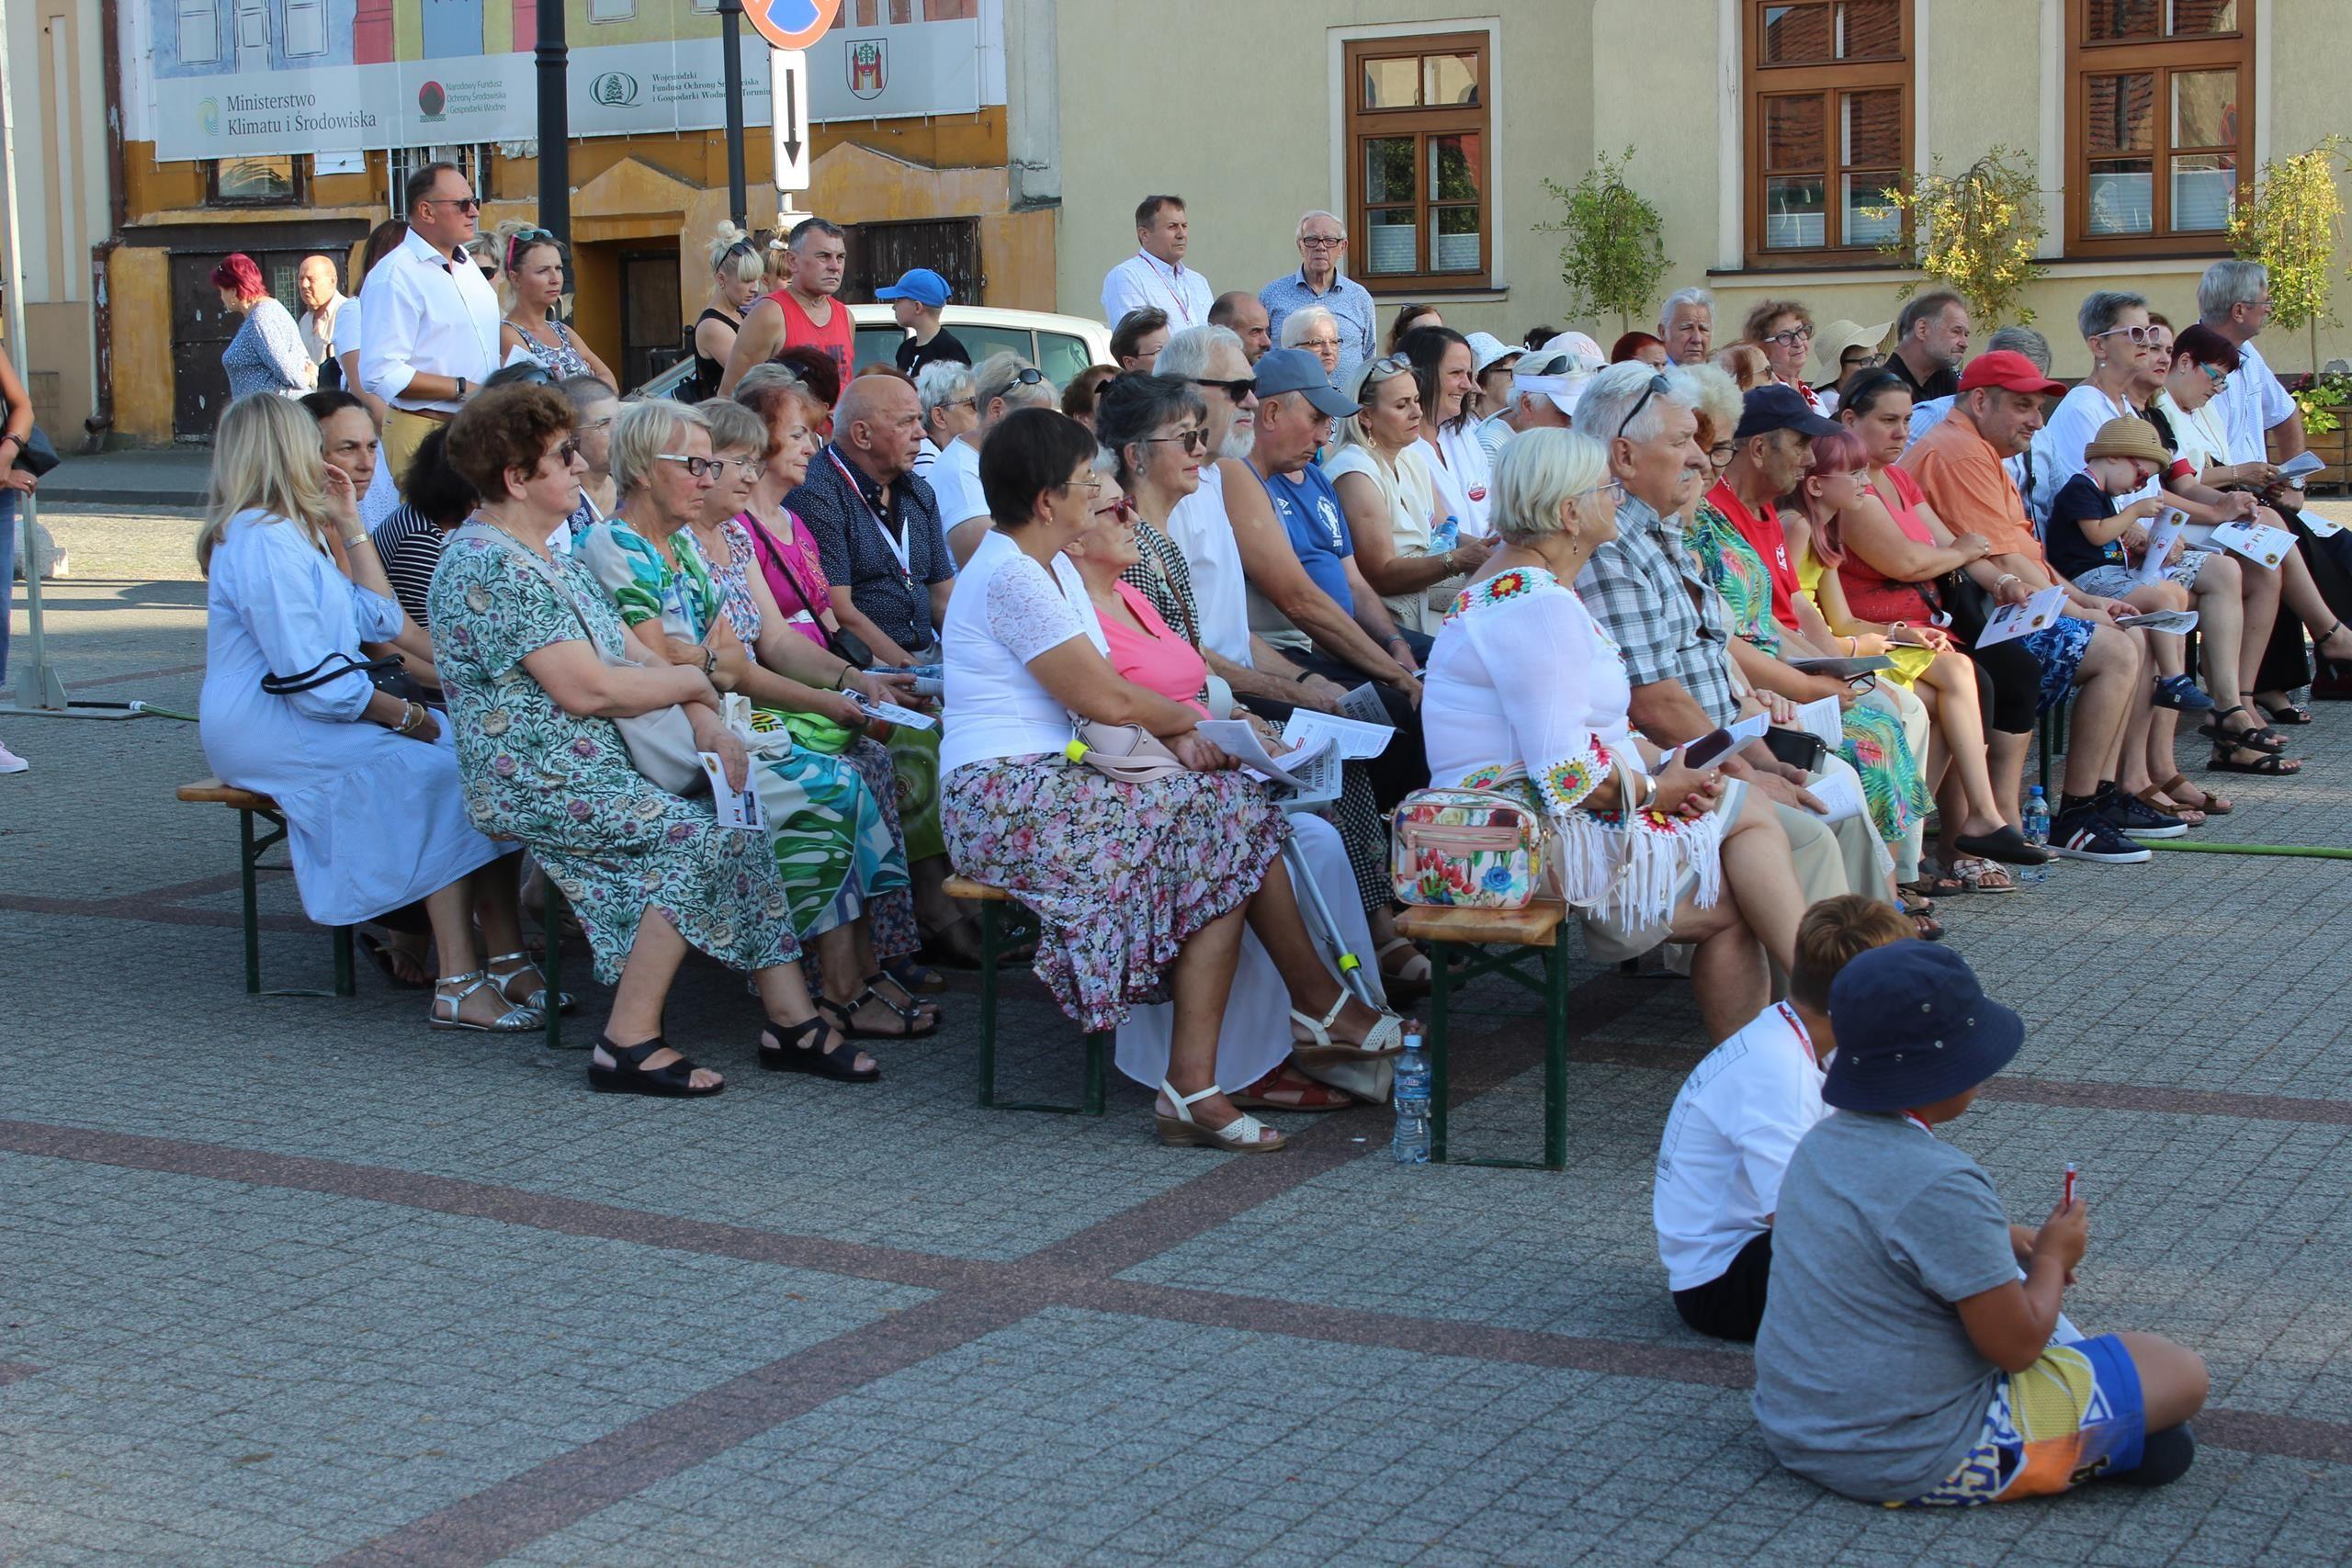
[2011,371]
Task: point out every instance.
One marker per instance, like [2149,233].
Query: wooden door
[880,253]
[652,334]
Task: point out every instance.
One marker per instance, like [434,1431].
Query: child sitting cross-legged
[1738,1118]
[1901,1359]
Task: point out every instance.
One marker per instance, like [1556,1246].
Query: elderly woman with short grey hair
[944,388]
[1525,695]
[1317,330]
[1001,384]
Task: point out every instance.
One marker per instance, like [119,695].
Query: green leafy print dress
[833,845]
[616,843]
[1893,783]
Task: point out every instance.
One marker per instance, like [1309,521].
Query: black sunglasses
[1658,383]
[1237,390]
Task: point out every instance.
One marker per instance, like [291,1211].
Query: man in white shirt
[2233,298]
[432,327]
[1001,384]
[318,285]
[1156,275]
[1737,1120]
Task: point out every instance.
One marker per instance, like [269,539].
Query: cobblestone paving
[290,1280]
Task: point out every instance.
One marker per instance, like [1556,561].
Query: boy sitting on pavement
[1738,1118]
[1901,1359]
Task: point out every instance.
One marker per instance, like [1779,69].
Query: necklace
[498,523]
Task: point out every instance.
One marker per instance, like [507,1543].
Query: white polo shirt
[1727,1144]
[2248,404]
[1144,279]
[426,313]
[955,480]
[1198,527]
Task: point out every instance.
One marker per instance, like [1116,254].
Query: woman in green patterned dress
[833,844]
[528,646]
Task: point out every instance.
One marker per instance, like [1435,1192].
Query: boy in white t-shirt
[1737,1120]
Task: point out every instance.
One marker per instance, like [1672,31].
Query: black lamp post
[731,23]
[555,123]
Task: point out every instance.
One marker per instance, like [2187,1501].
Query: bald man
[877,522]
[1244,314]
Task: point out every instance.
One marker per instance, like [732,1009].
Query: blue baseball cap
[1913,1027]
[1295,370]
[1774,407]
[919,284]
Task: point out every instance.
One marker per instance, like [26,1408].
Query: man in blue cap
[915,301]
[1901,1360]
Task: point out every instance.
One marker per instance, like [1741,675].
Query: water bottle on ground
[2036,831]
[1411,1094]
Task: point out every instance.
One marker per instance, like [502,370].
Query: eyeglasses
[2139,337]
[1194,440]
[595,425]
[1791,337]
[956,404]
[1321,242]
[568,451]
[1318,342]
[1394,364]
[523,239]
[467,203]
[1118,510]
[1614,489]
[2216,375]
[753,469]
[1237,390]
[740,248]
[1658,383]
[1091,484]
[697,467]
[1720,454]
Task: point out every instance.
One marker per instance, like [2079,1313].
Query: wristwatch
[461,390]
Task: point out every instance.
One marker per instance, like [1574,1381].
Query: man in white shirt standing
[432,327]
[1737,1120]
[318,285]
[1687,322]
[1156,275]
[2233,298]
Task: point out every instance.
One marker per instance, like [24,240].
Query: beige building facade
[1431,130]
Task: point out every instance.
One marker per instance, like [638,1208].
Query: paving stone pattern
[294,1282]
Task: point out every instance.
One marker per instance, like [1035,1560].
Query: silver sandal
[514,1020]
[536,1000]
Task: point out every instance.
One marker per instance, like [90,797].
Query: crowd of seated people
[1553,572]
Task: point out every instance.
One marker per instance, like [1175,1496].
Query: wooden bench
[1498,942]
[996,935]
[248,805]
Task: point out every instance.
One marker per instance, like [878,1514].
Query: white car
[1061,346]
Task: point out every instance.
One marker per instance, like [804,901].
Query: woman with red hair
[266,354]
[1648,347]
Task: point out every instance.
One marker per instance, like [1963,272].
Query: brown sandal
[1313,1096]
[2212,805]
[2156,798]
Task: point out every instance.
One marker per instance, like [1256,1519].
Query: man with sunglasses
[432,329]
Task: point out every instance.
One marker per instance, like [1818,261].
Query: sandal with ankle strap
[844,1012]
[1315,1046]
[516,1020]
[2258,737]
[629,1075]
[781,1051]
[1245,1135]
[2214,806]
[914,1009]
[537,999]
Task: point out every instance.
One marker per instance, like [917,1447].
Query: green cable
[2305,852]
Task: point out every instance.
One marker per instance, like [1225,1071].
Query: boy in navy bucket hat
[1903,1360]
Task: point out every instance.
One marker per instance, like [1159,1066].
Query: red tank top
[837,337]
[1870,595]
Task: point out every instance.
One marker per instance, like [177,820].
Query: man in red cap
[1959,464]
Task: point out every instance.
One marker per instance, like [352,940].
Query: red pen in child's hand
[2069,1183]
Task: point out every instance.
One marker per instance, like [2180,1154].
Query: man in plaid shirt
[1650,597]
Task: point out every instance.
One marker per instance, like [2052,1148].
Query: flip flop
[385,957]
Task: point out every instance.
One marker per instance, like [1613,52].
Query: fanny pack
[1127,753]
[1468,849]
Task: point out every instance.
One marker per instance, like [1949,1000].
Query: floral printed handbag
[1476,848]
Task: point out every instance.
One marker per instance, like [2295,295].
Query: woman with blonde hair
[1380,467]
[375,812]
[530,290]
[1524,693]
[738,274]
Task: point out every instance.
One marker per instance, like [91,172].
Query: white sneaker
[10,762]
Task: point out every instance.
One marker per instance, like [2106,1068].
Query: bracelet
[709,660]
[356,540]
[411,719]
[1304,676]
[2007,577]
[841,681]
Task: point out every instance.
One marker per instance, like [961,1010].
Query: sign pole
[554,56]
[38,689]
[730,25]
[788,112]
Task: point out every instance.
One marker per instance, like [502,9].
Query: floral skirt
[1894,785]
[1120,876]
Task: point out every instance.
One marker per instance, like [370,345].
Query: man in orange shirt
[1959,464]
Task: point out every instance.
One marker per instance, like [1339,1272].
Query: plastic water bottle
[1445,536]
[2036,831]
[1411,1094]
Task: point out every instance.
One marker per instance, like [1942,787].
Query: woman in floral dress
[826,828]
[528,646]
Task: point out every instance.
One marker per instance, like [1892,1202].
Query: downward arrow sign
[792,116]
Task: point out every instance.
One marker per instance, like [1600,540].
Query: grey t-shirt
[1865,1378]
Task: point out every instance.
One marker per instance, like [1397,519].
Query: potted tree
[1614,257]
[2294,224]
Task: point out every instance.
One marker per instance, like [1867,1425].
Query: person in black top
[737,270]
[2091,540]
[915,300]
[1931,341]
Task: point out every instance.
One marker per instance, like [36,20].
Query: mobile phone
[1708,749]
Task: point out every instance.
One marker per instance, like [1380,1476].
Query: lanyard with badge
[900,547]
[1168,282]
[1796,1027]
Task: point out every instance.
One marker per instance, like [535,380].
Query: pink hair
[1840,453]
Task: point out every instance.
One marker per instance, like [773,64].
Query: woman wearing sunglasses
[530,291]
[1380,467]
[737,272]
[833,847]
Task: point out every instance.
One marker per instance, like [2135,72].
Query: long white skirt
[1256,1035]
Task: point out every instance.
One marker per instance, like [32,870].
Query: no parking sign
[791,24]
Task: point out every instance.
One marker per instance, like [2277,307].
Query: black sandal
[2261,737]
[629,1075]
[2266,764]
[2287,713]
[911,1012]
[388,958]
[781,1051]
[843,1011]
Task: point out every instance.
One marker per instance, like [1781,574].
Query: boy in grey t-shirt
[1901,1360]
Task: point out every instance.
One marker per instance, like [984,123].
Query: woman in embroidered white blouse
[1526,693]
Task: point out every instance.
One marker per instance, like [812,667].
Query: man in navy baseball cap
[1771,452]
[915,301]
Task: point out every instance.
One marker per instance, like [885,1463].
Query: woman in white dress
[1444,364]
[368,781]
[1526,694]
[1379,464]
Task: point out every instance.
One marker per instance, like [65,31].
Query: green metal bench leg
[990,937]
[248,854]
[551,928]
[1097,1054]
[1555,1050]
[343,986]
[1441,1081]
